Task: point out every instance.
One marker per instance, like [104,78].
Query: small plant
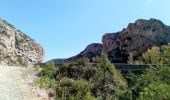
[152,56]
[130,59]
[49,71]
[69,88]
[45,82]
[155,91]
[21,61]
[165,54]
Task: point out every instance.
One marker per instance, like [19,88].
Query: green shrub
[45,82]
[130,59]
[20,61]
[155,91]
[68,88]
[165,54]
[152,56]
[153,84]
[108,82]
[84,80]
[163,74]
[49,71]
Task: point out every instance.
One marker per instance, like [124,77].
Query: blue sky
[66,27]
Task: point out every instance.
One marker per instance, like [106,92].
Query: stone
[16,48]
[135,39]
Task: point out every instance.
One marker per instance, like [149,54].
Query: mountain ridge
[135,39]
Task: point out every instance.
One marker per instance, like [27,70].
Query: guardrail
[135,68]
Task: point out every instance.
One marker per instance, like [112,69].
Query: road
[14,86]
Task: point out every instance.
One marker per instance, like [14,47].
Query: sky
[65,27]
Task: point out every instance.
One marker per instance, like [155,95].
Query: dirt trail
[17,84]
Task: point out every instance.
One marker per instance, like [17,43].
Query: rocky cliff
[16,48]
[135,39]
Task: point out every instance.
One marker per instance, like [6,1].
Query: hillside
[135,39]
[16,48]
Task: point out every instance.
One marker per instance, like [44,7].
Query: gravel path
[16,84]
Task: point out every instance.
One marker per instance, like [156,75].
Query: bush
[108,82]
[83,80]
[151,56]
[130,59]
[155,91]
[49,71]
[154,55]
[45,82]
[69,88]
[154,84]
[165,54]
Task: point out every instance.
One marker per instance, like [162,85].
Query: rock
[135,39]
[16,48]
[91,51]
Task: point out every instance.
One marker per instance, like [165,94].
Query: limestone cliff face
[135,39]
[16,48]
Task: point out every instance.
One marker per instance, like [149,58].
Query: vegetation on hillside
[82,80]
[155,55]
[99,80]
[153,84]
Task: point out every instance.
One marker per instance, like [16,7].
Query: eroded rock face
[135,39]
[16,48]
[92,50]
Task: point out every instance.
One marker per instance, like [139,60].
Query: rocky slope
[135,39]
[16,48]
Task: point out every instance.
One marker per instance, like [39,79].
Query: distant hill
[56,61]
[135,39]
[16,48]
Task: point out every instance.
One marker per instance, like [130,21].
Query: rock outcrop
[92,50]
[16,48]
[135,39]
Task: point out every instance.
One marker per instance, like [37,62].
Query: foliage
[45,82]
[154,55]
[99,80]
[151,56]
[69,88]
[20,60]
[155,91]
[110,81]
[165,53]
[153,85]
[83,80]
[49,71]
[130,59]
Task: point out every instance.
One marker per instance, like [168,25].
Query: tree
[165,54]
[153,84]
[155,91]
[152,56]
[130,58]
